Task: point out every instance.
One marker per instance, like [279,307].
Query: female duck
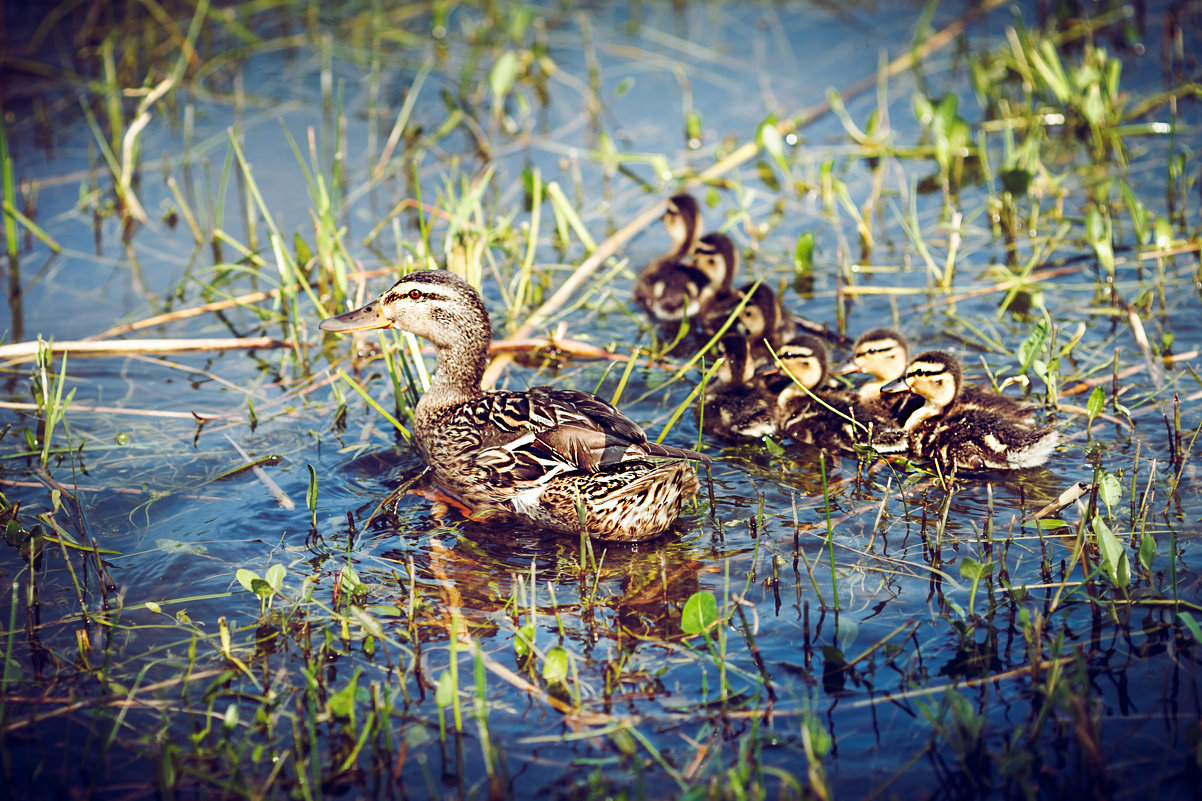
[959,433]
[669,289]
[559,458]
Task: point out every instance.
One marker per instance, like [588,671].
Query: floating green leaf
[1097,401]
[700,613]
[770,140]
[444,694]
[1187,619]
[1147,550]
[1110,491]
[523,641]
[1033,346]
[803,254]
[342,703]
[275,577]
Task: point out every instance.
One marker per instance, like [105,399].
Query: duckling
[823,416]
[762,321]
[960,434]
[717,257]
[559,458]
[669,288]
[883,353]
[737,408]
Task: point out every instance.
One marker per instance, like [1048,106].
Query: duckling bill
[559,458]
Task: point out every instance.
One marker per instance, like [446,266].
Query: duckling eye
[415,294]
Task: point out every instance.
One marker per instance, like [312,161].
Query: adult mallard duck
[809,410]
[737,408]
[669,289]
[959,433]
[559,458]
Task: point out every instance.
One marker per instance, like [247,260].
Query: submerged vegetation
[216,584]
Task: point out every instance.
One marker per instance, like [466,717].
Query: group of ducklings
[569,461]
[776,382]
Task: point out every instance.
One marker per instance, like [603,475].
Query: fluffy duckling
[762,321]
[669,288]
[883,354]
[821,415]
[717,257]
[959,433]
[737,408]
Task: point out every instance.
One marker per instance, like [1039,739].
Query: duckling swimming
[737,408]
[669,288]
[558,458]
[717,257]
[883,354]
[828,417]
[761,321]
[961,434]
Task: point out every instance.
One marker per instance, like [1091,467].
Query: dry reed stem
[19,352]
[79,408]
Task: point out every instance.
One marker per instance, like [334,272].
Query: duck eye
[415,294]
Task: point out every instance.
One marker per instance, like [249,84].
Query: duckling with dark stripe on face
[670,288]
[717,257]
[960,434]
[883,354]
[809,411]
[559,458]
[762,321]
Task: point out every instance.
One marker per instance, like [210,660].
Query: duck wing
[545,431]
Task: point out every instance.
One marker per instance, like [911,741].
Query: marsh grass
[387,654]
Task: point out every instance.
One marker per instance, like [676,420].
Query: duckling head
[737,367]
[717,257]
[935,376]
[804,357]
[682,219]
[760,316]
[881,353]
[674,293]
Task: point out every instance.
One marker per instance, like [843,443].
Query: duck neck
[923,413]
[461,366]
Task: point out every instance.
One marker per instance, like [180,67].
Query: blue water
[148,488]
